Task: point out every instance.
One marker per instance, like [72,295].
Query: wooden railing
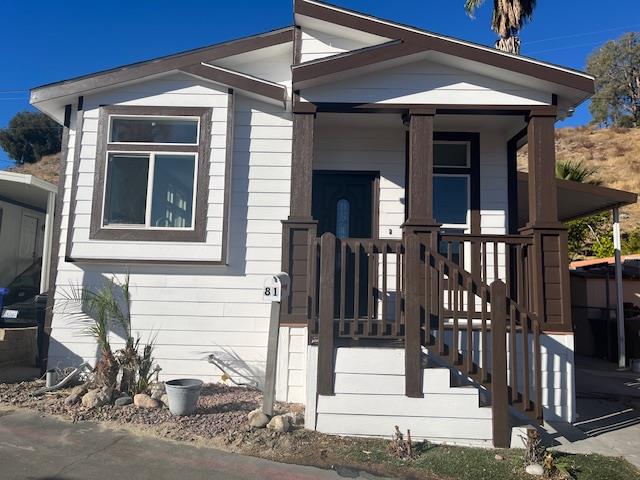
[406,291]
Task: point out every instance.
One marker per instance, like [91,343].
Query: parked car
[19,306]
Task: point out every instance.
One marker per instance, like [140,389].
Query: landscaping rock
[295,418]
[257,419]
[499,458]
[279,423]
[122,401]
[535,469]
[97,397]
[142,400]
[165,400]
[157,390]
[75,395]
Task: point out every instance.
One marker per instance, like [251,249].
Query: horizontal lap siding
[173,90]
[195,311]
[425,82]
[316,44]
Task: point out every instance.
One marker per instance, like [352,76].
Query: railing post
[412,350]
[499,388]
[326,314]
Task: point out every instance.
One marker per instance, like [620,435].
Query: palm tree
[509,16]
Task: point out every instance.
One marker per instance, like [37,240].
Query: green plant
[616,66]
[631,242]
[109,306]
[29,136]
[575,171]
[558,466]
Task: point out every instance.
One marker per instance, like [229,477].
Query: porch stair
[477,376]
[484,335]
[370,400]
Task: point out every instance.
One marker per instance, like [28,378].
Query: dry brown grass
[614,154]
[46,169]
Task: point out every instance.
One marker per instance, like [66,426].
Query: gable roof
[135,71]
[415,40]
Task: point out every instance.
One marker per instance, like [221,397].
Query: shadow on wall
[228,362]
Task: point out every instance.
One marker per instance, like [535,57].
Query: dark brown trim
[302,166]
[237,80]
[420,170]
[297,45]
[430,109]
[351,60]
[198,234]
[135,71]
[74,177]
[512,180]
[56,237]
[426,40]
[228,175]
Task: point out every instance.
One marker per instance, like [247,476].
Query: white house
[376,164]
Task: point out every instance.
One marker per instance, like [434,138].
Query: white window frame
[149,200]
[113,117]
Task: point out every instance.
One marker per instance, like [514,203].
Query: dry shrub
[399,447]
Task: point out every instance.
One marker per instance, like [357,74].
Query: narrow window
[343,213]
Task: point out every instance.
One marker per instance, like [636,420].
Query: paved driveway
[608,407]
[32,447]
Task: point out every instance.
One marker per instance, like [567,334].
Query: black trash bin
[40,302]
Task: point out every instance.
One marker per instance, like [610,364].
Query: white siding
[425,82]
[317,44]
[193,312]
[291,378]
[369,400]
[172,90]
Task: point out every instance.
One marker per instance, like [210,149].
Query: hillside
[46,169]
[614,154]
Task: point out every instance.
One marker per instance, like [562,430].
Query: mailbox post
[275,288]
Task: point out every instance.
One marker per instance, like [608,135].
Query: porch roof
[575,199]
[25,190]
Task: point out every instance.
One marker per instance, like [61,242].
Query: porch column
[549,287]
[420,179]
[420,228]
[300,227]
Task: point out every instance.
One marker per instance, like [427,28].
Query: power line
[585,34]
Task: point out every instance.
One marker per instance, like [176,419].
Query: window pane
[172,204]
[450,199]
[450,154]
[154,130]
[126,192]
[343,214]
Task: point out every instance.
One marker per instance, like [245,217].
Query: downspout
[617,245]
[47,243]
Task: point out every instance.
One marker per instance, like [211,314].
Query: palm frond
[470,6]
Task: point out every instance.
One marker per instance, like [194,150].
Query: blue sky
[46,41]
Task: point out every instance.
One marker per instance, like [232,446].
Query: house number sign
[275,287]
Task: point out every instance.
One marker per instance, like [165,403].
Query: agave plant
[576,171]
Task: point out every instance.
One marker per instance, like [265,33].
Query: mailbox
[275,287]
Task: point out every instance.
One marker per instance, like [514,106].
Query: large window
[153,189]
[152,166]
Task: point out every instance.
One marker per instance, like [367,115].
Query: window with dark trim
[152,174]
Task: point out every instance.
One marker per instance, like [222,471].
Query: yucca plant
[576,171]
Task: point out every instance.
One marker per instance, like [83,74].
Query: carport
[577,200]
